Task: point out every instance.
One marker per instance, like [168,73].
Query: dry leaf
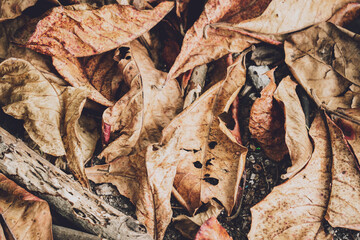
[296,133]
[10,9]
[146,178]
[212,230]
[344,204]
[325,61]
[350,129]
[282,17]
[48,113]
[92,31]
[211,161]
[138,118]
[198,49]
[346,14]
[266,123]
[27,216]
[295,209]
[189,226]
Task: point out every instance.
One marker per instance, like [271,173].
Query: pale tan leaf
[325,61]
[91,31]
[212,230]
[146,178]
[344,204]
[296,133]
[49,111]
[295,209]
[266,123]
[138,118]
[81,134]
[189,226]
[211,161]
[10,9]
[202,45]
[282,17]
[39,109]
[27,216]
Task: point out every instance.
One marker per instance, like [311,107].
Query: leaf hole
[208,162]
[212,144]
[197,164]
[211,180]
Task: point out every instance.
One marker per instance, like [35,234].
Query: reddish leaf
[266,123]
[212,230]
[86,32]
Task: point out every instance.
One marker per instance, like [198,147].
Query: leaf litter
[209,135]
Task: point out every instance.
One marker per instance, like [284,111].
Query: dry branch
[77,204]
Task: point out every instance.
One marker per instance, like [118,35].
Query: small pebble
[251,159]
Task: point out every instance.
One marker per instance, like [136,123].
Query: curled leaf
[138,118]
[295,209]
[210,159]
[296,134]
[266,123]
[49,113]
[146,178]
[189,226]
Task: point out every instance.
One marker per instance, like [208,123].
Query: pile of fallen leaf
[157,87]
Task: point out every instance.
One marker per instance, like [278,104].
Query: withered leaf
[295,209]
[266,123]
[92,31]
[346,14]
[198,49]
[138,118]
[325,61]
[12,8]
[189,226]
[211,161]
[146,178]
[212,230]
[296,134]
[282,17]
[27,216]
[344,204]
[49,113]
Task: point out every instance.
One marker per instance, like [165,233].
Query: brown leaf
[212,230]
[198,49]
[49,111]
[325,61]
[138,118]
[350,129]
[296,133]
[27,216]
[146,178]
[266,123]
[295,209]
[13,8]
[282,17]
[344,204]
[189,226]
[92,31]
[211,161]
[346,14]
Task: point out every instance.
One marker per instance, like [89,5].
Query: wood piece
[66,196]
[61,233]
